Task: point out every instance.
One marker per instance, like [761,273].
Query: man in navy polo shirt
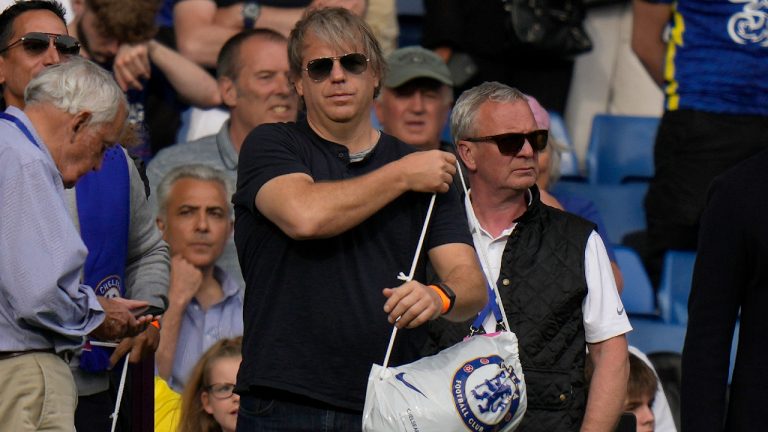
[328,211]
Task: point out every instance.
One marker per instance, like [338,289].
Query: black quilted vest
[542,286]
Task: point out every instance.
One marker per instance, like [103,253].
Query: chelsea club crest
[110,287]
[486,393]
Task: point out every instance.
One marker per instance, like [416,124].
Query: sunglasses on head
[320,68]
[510,144]
[36,43]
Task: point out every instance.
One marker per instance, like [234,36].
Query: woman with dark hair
[208,401]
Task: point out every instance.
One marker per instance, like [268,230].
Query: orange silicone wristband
[444,298]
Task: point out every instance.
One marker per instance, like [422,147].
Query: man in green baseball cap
[416,98]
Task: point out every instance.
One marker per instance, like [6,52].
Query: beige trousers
[37,393]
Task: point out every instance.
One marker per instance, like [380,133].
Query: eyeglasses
[510,144]
[320,68]
[221,391]
[36,43]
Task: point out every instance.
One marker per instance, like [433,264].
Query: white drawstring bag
[475,385]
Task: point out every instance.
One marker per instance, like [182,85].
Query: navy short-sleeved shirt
[313,313]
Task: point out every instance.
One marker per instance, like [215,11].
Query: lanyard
[19,124]
[490,307]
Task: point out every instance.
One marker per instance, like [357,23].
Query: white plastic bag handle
[121,387]
[409,277]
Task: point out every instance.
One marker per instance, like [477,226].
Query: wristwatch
[251,12]
[448,293]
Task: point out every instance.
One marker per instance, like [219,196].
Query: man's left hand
[132,65]
[413,303]
[139,346]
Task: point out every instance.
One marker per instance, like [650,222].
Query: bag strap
[409,277]
[494,301]
[123,374]
[491,306]
[496,298]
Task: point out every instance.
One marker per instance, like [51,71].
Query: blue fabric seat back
[620,148]
[638,296]
[651,335]
[675,286]
[620,205]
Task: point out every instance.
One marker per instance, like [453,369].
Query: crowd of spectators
[220,214]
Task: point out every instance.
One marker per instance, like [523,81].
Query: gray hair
[340,29]
[77,85]
[192,171]
[465,110]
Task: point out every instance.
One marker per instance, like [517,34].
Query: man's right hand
[429,171]
[186,280]
[120,320]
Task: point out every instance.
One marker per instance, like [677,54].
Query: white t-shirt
[604,315]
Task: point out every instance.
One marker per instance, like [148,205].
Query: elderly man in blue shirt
[74,112]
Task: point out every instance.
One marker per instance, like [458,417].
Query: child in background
[208,401]
[167,407]
[641,392]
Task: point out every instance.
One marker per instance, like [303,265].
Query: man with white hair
[73,113]
[126,254]
[550,267]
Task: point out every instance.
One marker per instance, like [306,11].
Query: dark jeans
[258,414]
[692,148]
[93,412]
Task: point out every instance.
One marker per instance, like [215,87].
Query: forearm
[281,20]
[648,23]
[198,37]
[193,83]
[202,28]
[608,386]
[464,277]
[325,209]
[305,209]
[169,337]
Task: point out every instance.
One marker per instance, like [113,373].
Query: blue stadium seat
[675,286]
[620,205]
[569,161]
[638,296]
[620,148]
[652,335]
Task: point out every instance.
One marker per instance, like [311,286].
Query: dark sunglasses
[36,43]
[320,68]
[510,144]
